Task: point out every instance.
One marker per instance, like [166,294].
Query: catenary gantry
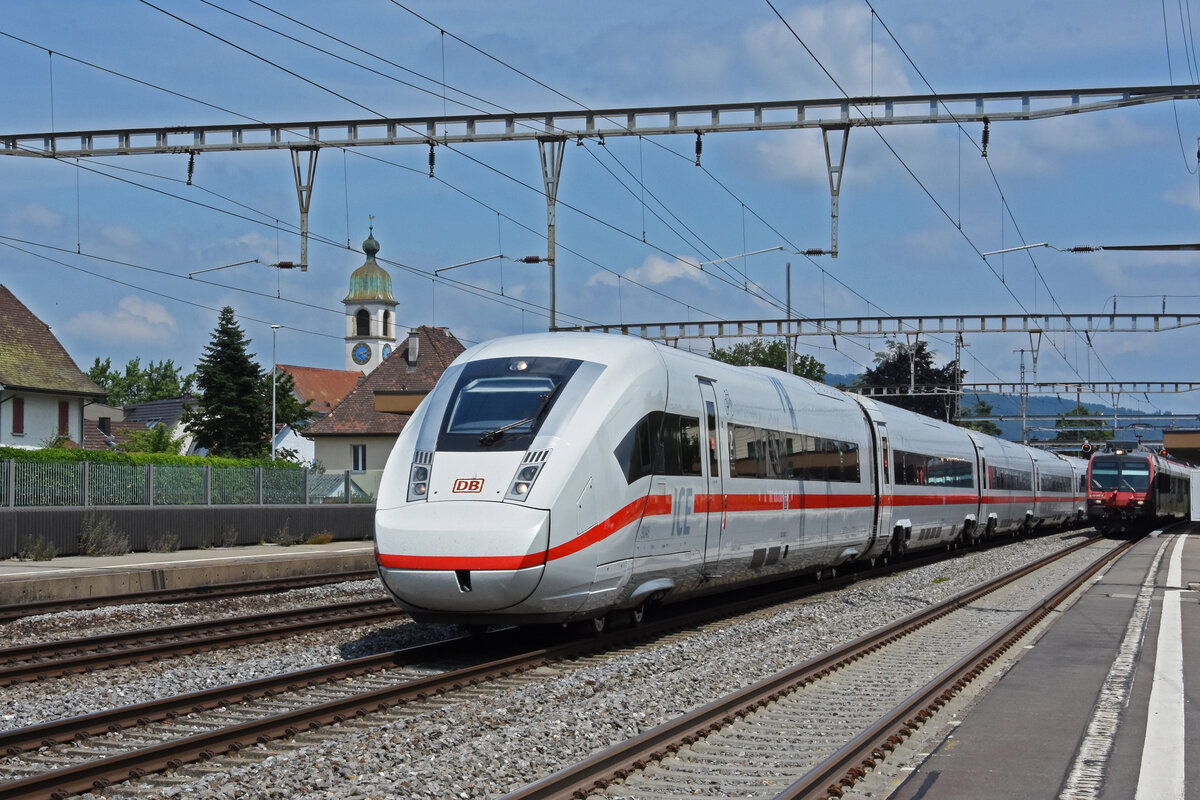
[551,130]
[903,325]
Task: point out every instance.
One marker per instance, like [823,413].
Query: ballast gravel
[486,744]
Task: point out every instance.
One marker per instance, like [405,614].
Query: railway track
[812,731]
[240,589]
[65,657]
[66,756]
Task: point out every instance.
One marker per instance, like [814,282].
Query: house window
[64,418]
[358,457]
[387,324]
[362,323]
[18,420]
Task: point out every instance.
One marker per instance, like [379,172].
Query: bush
[98,536]
[229,536]
[165,542]
[324,537]
[115,457]
[36,549]
[283,537]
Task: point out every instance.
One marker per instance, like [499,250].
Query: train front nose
[461,556]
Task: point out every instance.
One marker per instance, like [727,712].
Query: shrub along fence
[45,505]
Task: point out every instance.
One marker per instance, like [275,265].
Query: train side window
[689,445]
[636,452]
[714,464]
[742,451]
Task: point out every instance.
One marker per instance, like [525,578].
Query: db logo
[468,486]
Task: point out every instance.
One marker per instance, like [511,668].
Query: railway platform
[77,577]
[1098,706]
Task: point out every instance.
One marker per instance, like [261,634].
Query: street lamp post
[274,328]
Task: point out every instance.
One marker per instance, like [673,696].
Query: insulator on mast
[699,145]
[987,134]
[432,157]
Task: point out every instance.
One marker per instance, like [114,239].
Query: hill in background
[1043,406]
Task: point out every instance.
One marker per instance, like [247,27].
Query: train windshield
[500,403]
[1114,473]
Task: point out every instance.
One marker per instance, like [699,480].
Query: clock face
[387,350]
[361,353]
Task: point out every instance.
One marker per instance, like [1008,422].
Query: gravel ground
[115,619]
[485,746]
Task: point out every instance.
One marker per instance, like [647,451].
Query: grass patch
[36,548]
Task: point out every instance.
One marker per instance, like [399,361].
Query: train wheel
[598,625]
[637,615]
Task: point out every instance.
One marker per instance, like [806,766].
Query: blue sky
[1117,177]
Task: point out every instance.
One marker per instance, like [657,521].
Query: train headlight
[1139,502]
[523,481]
[418,482]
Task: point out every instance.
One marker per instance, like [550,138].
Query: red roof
[322,389]
[356,414]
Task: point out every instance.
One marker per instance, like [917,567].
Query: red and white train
[557,477]
[1130,490]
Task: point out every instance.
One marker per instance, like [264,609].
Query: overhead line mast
[836,115]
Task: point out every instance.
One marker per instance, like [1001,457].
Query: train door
[715,495]
[883,484]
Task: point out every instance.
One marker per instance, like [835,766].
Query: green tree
[1079,424]
[160,380]
[901,365]
[230,418]
[980,409]
[155,440]
[773,354]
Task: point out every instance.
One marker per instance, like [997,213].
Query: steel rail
[605,767]
[13,611]
[59,731]
[64,657]
[170,755]
[843,769]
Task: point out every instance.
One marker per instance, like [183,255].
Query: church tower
[370,312]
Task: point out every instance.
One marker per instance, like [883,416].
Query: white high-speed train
[564,476]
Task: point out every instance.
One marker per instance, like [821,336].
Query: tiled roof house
[42,389]
[359,432]
[322,389]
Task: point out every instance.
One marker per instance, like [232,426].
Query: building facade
[42,390]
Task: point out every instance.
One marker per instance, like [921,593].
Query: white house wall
[41,419]
[334,452]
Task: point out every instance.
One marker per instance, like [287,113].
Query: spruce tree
[901,364]
[230,418]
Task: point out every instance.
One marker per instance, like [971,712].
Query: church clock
[361,353]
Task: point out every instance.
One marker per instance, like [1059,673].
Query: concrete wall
[194,526]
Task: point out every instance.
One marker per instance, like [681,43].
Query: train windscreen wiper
[491,436]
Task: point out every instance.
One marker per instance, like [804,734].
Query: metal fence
[31,484]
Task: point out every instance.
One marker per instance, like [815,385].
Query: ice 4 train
[564,476]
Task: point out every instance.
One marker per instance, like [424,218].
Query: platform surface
[94,576]
[1102,706]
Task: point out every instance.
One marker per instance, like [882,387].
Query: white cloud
[134,320]
[840,38]
[655,271]
[37,215]
[120,236]
[1186,196]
